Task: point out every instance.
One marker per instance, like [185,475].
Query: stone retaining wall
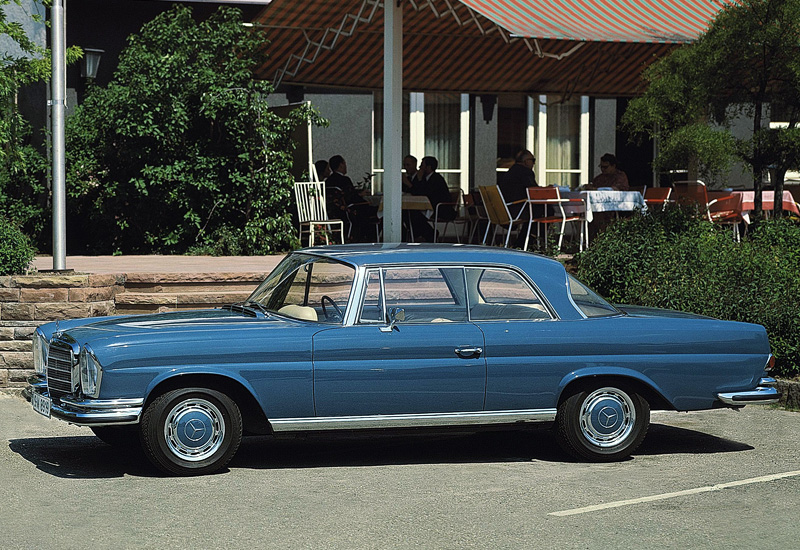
[27,301]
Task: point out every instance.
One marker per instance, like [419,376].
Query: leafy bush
[23,167]
[180,151]
[675,260]
[16,252]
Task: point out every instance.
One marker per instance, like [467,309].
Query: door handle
[469,352]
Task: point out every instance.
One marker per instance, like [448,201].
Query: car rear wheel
[603,424]
[191,431]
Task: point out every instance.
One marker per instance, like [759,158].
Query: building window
[563,141]
[433,125]
[557,132]
[513,121]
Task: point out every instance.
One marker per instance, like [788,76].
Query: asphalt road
[715,479]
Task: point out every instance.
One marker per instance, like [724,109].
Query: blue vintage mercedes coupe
[394,336]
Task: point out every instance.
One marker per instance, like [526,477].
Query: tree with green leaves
[23,167]
[746,62]
[180,151]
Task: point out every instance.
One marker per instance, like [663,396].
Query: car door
[526,348]
[430,362]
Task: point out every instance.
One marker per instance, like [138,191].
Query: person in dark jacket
[514,186]
[345,202]
[515,182]
[432,185]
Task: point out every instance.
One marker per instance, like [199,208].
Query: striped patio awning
[668,21]
[480,46]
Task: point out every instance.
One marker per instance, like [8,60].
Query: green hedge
[675,260]
[16,252]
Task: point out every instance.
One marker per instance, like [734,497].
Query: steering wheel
[336,315]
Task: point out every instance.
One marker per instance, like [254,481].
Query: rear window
[588,301]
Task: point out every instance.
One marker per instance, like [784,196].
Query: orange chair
[656,198]
[692,192]
[727,210]
[551,197]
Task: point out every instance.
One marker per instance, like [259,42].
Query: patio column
[392,120]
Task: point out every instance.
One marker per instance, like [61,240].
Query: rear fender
[581,379]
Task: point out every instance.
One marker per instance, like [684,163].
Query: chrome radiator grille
[60,368]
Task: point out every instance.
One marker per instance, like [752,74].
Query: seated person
[610,175]
[432,185]
[345,202]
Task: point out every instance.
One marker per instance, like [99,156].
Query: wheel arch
[253,417]
[641,386]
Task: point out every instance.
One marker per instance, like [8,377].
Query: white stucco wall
[605,132]
[484,148]
[349,133]
[22,14]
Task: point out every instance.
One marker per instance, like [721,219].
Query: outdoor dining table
[606,200]
[767,202]
[410,202]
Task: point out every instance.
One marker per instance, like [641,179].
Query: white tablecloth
[607,201]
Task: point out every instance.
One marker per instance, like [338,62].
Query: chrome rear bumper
[764,394]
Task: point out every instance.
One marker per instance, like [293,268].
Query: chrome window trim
[477,418]
[359,288]
[549,309]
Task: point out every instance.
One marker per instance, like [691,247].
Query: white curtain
[563,142]
[443,133]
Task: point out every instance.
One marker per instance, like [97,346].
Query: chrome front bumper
[764,394]
[88,412]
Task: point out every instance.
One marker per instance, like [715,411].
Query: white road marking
[664,496]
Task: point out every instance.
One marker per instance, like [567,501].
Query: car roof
[547,274]
[387,253]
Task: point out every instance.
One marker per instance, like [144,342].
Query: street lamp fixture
[90,62]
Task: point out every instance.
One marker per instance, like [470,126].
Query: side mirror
[396,315]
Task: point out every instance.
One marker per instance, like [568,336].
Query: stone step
[156,302]
[184,287]
[165,279]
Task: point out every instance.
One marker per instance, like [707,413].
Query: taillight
[770,363]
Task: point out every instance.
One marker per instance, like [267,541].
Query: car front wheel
[602,424]
[191,431]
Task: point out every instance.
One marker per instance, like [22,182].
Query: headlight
[90,372]
[40,345]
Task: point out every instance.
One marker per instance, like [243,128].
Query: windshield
[588,301]
[307,287]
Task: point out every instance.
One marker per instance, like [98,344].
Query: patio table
[767,202]
[602,200]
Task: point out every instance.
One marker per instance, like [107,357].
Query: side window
[426,295]
[502,295]
[312,282]
[372,309]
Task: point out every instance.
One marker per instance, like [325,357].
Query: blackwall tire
[603,424]
[191,431]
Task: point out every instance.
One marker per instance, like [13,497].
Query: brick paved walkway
[164,264]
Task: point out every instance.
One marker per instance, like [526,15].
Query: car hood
[642,311]
[187,336]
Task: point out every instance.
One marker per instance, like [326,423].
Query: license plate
[41,404]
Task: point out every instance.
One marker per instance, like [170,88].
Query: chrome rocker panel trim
[412,420]
[92,412]
[764,394]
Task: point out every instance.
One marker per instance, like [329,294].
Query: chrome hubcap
[194,429]
[607,417]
